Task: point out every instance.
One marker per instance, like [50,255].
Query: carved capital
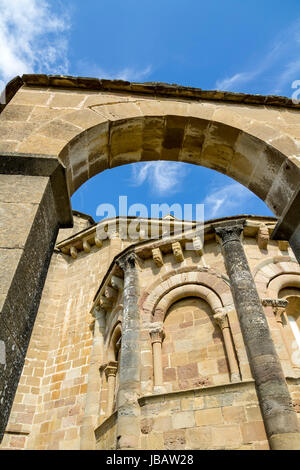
[111,369]
[222,320]
[157,335]
[278,306]
[230,233]
[127,261]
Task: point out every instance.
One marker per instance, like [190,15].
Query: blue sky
[248,46]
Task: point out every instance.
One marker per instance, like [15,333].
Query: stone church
[135,342]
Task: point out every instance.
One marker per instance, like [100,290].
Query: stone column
[157,335]
[128,424]
[110,371]
[92,405]
[274,398]
[222,321]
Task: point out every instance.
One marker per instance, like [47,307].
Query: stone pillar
[222,321]
[157,335]
[128,424]
[110,371]
[34,203]
[92,405]
[275,402]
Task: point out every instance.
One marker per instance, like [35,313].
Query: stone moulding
[153,88]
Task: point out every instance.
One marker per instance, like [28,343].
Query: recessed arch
[185,291]
[206,284]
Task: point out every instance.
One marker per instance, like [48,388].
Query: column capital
[127,261]
[278,306]
[157,335]
[222,320]
[230,232]
[111,368]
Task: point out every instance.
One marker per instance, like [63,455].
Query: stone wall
[198,408]
[222,417]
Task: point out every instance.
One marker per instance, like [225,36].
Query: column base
[287,441]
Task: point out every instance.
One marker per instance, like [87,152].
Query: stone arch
[206,283]
[183,137]
[273,274]
[181,292]
[114,337]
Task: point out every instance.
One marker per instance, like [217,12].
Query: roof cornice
[156,89]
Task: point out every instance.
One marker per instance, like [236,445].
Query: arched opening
[251,161]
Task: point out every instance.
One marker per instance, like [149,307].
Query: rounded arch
[273,274]
[181,292]
[192,282]
[172,132]
[112,348]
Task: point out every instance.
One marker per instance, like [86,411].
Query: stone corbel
[117,282]
[86,246]
[73,252]
[177,251]
[98,242]
[223,322]
[110,292]
[105,302]
[263,237]
[198,245]
[283,245]
[157,257]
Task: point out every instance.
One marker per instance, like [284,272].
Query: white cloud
[163,177]
[234,81]
[228,199]
[130,74]
[281,57]
[32,39]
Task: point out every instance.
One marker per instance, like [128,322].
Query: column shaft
[128,425]
[275,401]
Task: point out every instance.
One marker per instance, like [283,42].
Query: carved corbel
[157,257]
[98,242]
[105,302]
[73,252]
[86,246]
[283,245]
[263,237]
[117,282]
[110,292]
[177,251]
[198,245]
